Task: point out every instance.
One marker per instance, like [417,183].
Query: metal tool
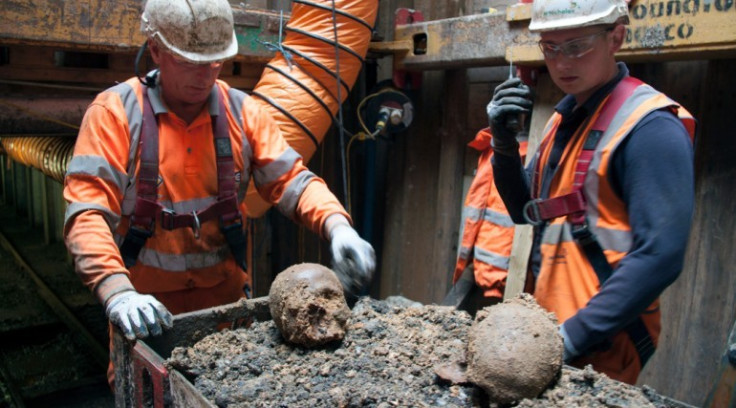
[461,290]
[515,123]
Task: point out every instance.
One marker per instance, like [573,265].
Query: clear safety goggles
[186,63]
[575,48]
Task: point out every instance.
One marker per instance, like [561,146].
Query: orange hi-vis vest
[487,229]
[567,279]
[102,178]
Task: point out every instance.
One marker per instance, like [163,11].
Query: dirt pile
[308,305]
[514,350]
[387,359]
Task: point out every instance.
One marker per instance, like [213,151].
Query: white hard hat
[200,31]
[548,15]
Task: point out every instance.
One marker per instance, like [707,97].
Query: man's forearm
[512,184]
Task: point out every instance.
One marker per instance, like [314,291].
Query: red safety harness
[143,220]
[573,205]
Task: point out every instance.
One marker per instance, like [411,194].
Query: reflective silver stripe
[187,206]
[611,239]
[183,262]
[237,98]
[290,198]
[495,217]
[75,208]
[491,258]
[471,213]
[134,112]
[277,168]
[135,119]
[97,166]
[464,253]
[591,186]
[616,240]
[128,204]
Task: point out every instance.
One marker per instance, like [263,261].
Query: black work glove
[510,101]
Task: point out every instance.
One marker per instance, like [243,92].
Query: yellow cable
[360,106]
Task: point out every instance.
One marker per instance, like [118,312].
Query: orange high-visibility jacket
[566,280]
[100,188]
[487,229]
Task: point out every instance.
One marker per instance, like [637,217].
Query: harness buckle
[195,225]
[581,233]
[531,212]
[167,219]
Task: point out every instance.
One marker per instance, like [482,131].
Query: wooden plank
[546,97]
[115,25]
[45,64]
[659,30]
[184,394]
[453,135]
[699,307]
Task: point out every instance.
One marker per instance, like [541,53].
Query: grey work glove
[510,100]
[353,258]
[138,315]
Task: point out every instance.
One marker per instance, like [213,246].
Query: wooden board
[699,308]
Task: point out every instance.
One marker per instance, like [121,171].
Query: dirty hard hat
[200,31]
[549,15]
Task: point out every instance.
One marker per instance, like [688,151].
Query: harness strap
[225,209]
[574,206]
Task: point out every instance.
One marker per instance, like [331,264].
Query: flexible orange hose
[311,21]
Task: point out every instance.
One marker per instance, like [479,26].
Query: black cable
[339,105]
[318,64]
[289,115]
[305,88]
[327,41]
[138,57]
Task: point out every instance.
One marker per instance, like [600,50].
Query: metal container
[141,380]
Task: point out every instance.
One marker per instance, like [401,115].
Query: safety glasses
[185,63]
[575,48]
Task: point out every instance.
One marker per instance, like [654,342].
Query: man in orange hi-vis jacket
[155,188]
[487,232]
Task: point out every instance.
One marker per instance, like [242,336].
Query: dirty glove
[353,258]
[510,99]
[138,315]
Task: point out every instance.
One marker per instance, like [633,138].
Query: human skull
[308,305]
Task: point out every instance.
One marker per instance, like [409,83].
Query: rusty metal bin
[141,380]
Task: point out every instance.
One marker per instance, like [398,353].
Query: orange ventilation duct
[301,92]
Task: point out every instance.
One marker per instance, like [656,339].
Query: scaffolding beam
[662,30]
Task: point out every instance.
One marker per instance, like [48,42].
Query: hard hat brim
[203,58]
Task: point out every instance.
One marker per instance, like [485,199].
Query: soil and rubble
[389,357]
